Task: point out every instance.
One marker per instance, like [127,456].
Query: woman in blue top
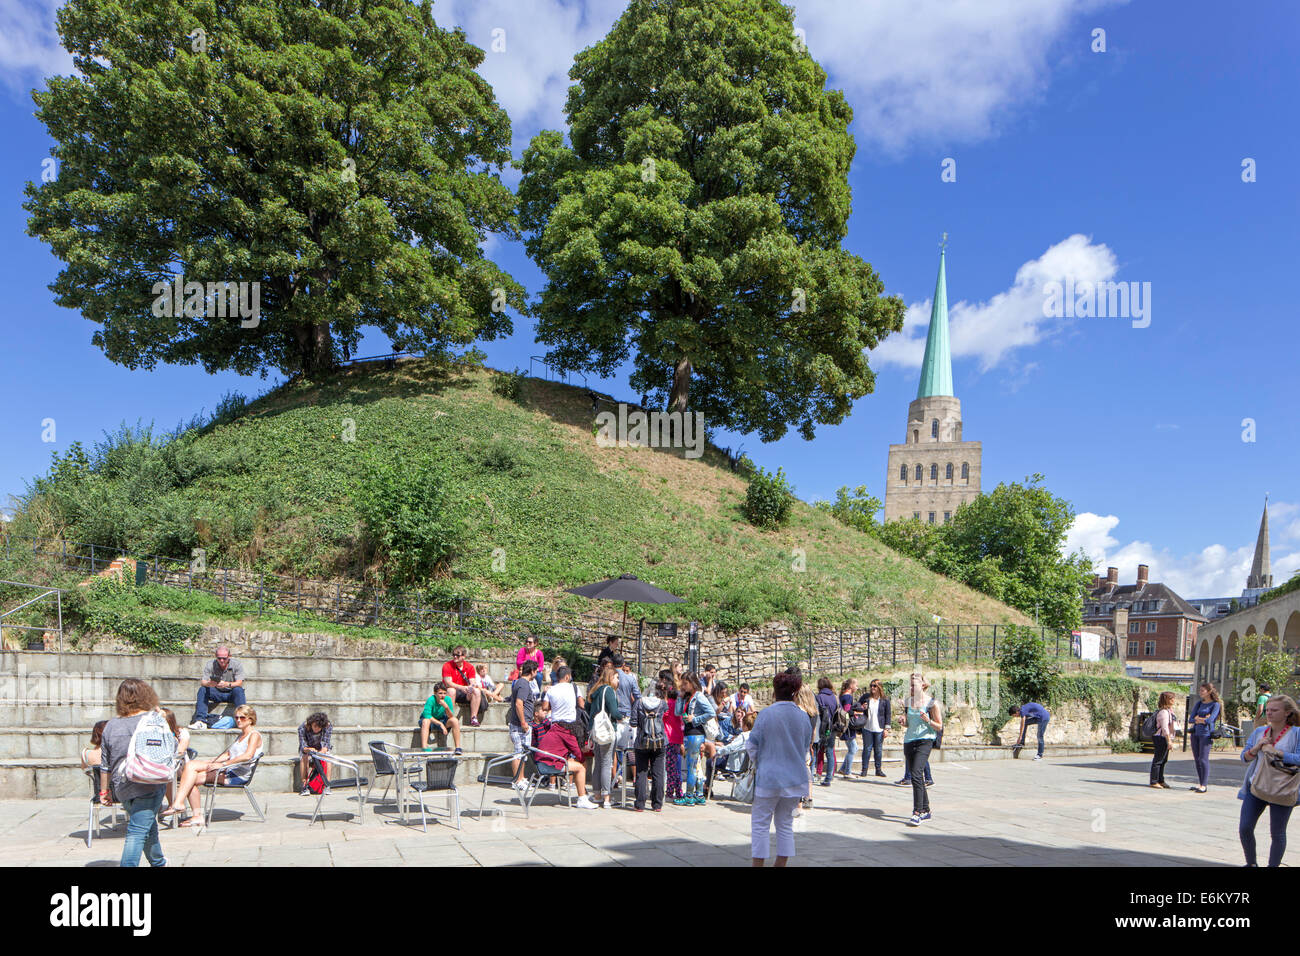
[696,709]
[1281,735]
[1204,716]
[924,719]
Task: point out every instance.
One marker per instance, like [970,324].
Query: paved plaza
[1089,811]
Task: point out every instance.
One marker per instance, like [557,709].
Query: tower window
[902,473]
[965,472]
[918,476]
[916,435]
[934,428]
[934,472]
[947,516]
[931,517]
[948,474]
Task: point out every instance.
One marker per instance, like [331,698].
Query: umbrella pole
[624,617]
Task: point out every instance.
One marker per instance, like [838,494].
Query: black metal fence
[481,622]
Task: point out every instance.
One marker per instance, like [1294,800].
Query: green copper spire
[936,370]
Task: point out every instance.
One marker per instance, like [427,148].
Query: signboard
[1089,646]
[666,629]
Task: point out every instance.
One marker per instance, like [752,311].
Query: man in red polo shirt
[457,674]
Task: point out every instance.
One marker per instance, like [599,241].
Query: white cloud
[1214,571]
[913,70]
[29,44]
[937,70]
[990,331]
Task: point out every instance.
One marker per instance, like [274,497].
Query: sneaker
[824,783]
[1038,756]
[305,791]
[929,783]
[428,750]
[198,725]
[457,752]
[684,802]
[584,804]
[326,790]
[926,815]
[607,804]
[903,783]
[473,722]
[879,773]
[518,785]
[915,821]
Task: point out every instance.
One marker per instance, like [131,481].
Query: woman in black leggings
[1166,729]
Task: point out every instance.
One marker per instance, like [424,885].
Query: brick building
[1151,620]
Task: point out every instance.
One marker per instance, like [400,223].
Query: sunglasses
[241,718]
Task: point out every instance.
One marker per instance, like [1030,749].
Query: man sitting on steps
[457,674]
[223,683]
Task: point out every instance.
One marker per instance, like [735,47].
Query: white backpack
[602,728]
[151,757]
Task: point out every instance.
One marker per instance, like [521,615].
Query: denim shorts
[519,738]
[235,780]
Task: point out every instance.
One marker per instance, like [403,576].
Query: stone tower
[1261,574]
[933,472]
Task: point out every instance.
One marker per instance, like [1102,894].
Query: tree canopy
[694,220]
[343,156]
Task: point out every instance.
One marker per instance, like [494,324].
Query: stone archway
[1203,662]
[1291,635]
[1270,627]
[1216,662]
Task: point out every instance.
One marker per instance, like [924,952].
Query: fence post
[460,613]
[261,587]
[63,559]
[640,635]
[995,642]
[841,653]
[810,655]
[338,601]
[916,645]
[958,660]
[92,557]
[1058,643]
[376,607]
[894,635]
[225,585]
[189,581]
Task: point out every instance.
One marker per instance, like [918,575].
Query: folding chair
[92,822]
[210,797]
[542,772]
[384,756]
[486,777]
[323,762]
[439,777]
[190,754]
[730,774]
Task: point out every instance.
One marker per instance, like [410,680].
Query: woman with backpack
[856,721]
[827,707]
[650,746]
[141,801]
[233,765]
[696,710]
[875,708]
[604,704]
[1162,736]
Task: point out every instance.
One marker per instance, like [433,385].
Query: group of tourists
[676,736]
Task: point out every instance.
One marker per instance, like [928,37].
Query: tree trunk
[681,395]
[315,348]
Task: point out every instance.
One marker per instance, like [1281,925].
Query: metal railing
[46,593]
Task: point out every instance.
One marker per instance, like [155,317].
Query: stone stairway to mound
[49,703]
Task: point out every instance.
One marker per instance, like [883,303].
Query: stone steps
[67,742]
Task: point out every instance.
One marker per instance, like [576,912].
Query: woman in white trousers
[778,746]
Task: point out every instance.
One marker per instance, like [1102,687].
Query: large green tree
[693,222]
[344,154]
[1007,543]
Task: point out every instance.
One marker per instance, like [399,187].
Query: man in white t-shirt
[563,697]
[741,701]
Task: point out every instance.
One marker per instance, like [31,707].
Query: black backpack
[650,728]
[840,722]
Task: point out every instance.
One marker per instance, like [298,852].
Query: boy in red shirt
[457,674]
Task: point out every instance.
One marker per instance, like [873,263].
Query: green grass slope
[273,490]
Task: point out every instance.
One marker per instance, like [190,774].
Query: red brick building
[1151,621]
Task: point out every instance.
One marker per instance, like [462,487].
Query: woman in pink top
[1166,729]
[531,652]
[675,736]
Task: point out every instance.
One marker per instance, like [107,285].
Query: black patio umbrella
[625,588]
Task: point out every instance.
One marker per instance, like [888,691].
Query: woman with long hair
[182,735]
[850,737]
[1204,716]
[1163,739]
[924,719]
[824,744]
[90,756]
[674,735]
[875,705]
[778,748]
[604,699]
[1279,736]
[141,801]
[231,766]
[805,698]
[696,709]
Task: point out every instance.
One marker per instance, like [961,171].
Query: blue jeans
[1201,757]
[214,695]
[852,744]
[872,743]
[142,830]
[694,785]
[1042,731]
[1278,815]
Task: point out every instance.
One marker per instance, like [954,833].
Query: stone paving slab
[1080,811]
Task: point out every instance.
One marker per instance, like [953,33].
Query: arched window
[948,471]
[934,428]
[916,435]
[934,472]
[902,473]
[965,472]
[918,472]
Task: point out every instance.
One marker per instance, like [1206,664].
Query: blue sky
[1123,165]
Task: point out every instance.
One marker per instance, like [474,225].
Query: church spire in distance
[936,370]
[1261,574]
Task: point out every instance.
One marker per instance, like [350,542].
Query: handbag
[711,729]
[602,728]
[744,788]
[1274,781]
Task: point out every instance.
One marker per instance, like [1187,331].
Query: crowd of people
[673,739]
